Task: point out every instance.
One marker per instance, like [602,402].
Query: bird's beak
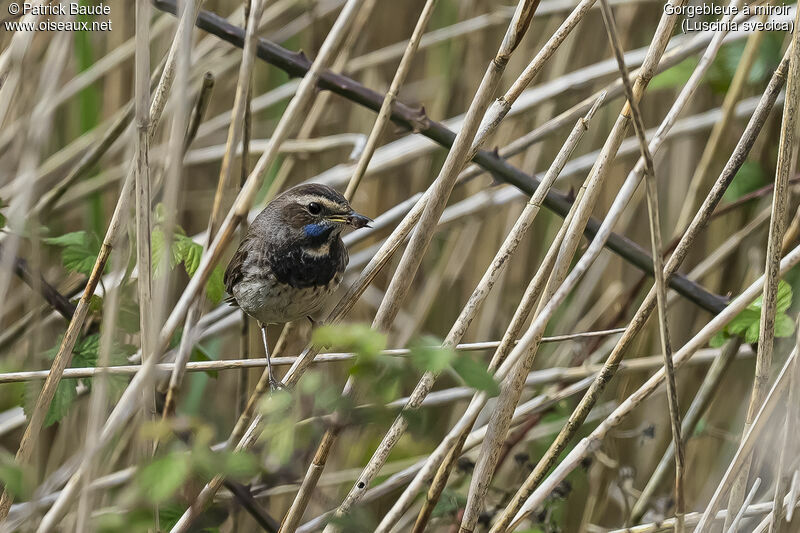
[358,221]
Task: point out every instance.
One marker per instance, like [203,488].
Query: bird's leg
[274,384]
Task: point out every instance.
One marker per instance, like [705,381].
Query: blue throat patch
[315,230]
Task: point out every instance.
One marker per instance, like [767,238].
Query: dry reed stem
[777,227]
[502,105]
[700,403]
[235,134]
[385,111]
[521,358]
[244,200]
[786,468]
[743,454]
[698,179]
[457,157]
[99,397]
[651,188]
[469,311]
[322,103]
[590,444]
[554,373]
[734,163]
[64,354]
[756,509]
[142,186]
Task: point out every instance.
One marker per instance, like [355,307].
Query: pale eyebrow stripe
[330,204]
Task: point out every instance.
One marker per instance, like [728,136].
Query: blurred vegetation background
[60,238]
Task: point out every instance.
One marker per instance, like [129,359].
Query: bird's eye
[314,208]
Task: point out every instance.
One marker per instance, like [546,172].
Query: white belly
[271,302]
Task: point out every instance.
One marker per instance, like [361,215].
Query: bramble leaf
[428,355]
[475,375]
[161,479]
[215,288]
[80,250]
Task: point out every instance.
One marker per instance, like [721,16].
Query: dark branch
[297,64]
[57,301]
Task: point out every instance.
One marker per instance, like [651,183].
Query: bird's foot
[275,385]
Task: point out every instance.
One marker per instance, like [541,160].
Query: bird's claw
[275,385]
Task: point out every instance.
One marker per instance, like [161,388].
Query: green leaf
[428,355]
[674,77]
[749,178]
[238,465]
[743,321]
[161,479]
[365,342]
[784,325]
[16,479]
[475,375]
[199,353]
[80,250]
[784,298]
[215,288]
[2,221]
[62,401]
[156,251]
[191,253]
[719,339]
[751,334]
[129,319]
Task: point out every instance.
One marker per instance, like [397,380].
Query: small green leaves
[160,479]
[360,339]
[2,216]
[749,178]
[429,356]
[184,251]
[16,479]
[79,250]
[746,324]
[84,355]
[475,375]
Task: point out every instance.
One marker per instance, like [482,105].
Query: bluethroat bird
[292,257]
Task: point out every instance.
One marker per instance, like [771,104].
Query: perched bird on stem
[292,257]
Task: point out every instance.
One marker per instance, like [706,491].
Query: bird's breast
[305,267]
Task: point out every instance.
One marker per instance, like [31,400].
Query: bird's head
[315,213]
